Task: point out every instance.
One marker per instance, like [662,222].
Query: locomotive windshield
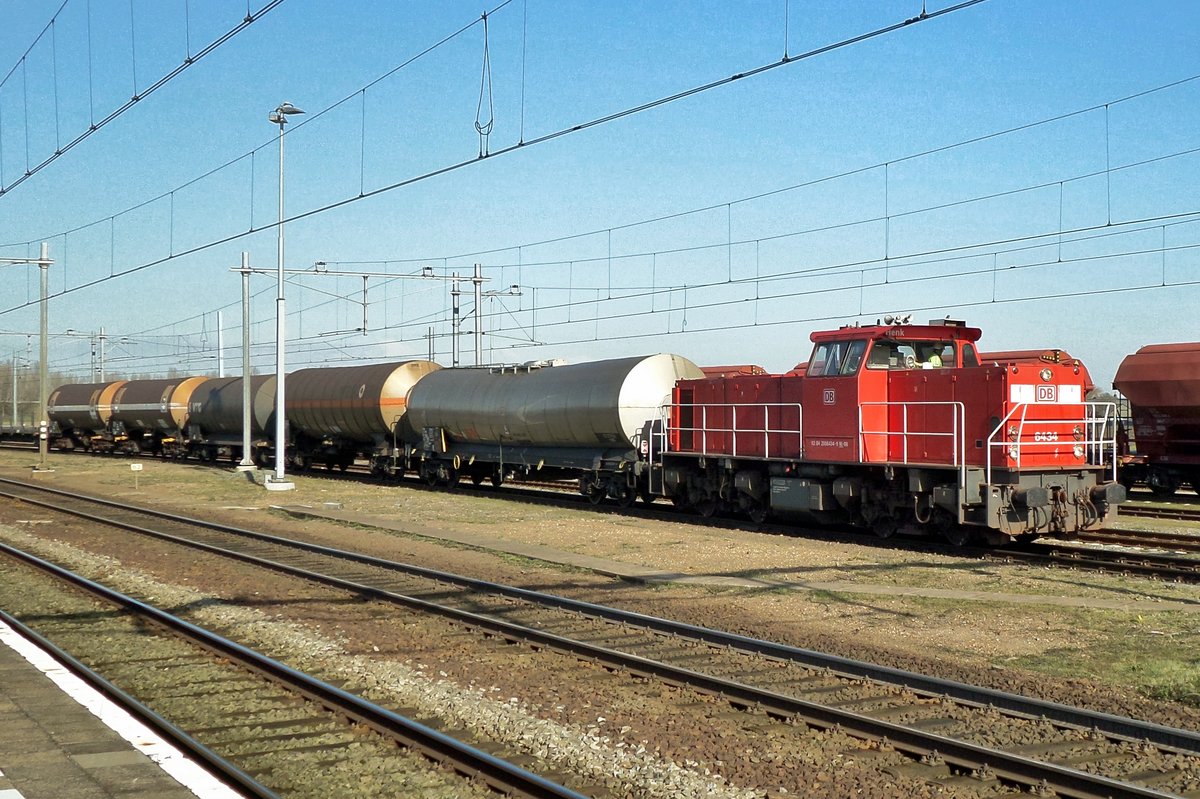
[836,358]
[891,354]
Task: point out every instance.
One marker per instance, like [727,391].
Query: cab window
[827,359]
[854,357]
[970,358]
[912,355]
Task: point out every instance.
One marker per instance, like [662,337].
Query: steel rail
[1190,514]
[216,765]
[1179,542]
[438,746]
[916,743]
[1162,567]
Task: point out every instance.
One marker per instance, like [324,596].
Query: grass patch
[1159,656]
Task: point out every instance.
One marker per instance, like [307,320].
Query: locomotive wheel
[645,495]
[758,512]
[957,534]
[680,501]
[707,507]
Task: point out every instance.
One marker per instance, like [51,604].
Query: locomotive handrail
[957,435]
[1093,440]
[734,430]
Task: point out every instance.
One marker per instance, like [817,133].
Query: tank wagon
[151,416]
[81,412]
[341,413]
[589,421]
[214,425]
[1162,384]
[897,426]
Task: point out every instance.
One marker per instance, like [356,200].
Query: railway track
[1173,542]
[257,723]
[1124,562]
[1042,553]
[953,734]
[1156,510]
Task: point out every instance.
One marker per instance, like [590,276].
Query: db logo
[830,396]
[1047,393]
[645,447]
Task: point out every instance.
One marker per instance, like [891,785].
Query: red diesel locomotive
[897,426]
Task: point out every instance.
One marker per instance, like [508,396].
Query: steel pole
[102,339]
[246,463]
[220,345]
[455,319]
[478,281]
[280,339]
[44,391]
[14,379]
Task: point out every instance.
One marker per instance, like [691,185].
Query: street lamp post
[278,481]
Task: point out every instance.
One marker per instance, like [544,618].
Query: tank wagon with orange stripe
[81,412]
[339,414]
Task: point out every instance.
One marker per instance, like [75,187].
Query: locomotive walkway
[645,574]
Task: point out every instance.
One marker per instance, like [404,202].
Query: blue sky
[745,281]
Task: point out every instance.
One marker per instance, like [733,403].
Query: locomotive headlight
[1046,375]
[1078,450]
[1077,433]
[1014,452]
[1012,432]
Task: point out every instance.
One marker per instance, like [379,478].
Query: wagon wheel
[477,478]
[626,495]
[452,477]
[429,474]
[497,477]
[1162,484]
[884,526]
[646,495]
[591,488]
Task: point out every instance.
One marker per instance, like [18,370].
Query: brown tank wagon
[214,426]
[151,415]
[82,411]
[340,413]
